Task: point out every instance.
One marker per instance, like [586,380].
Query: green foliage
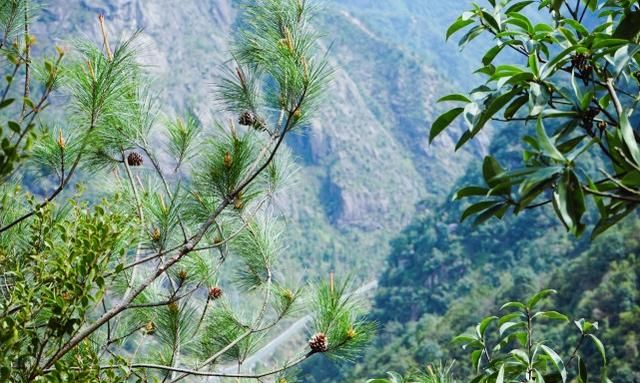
[433,374]
[337,316]
[517,353]
[19,106]
[174,274]
[55,279]
[516,347]
[440,270]
[573,89]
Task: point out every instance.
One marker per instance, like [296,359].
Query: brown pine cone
[215,293]
[247,119]
[319,343]
[134,159]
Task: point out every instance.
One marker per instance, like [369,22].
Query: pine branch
[203,373]
[186,249]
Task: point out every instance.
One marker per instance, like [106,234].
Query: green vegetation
[573,91]
[144,239]
[443,274]
[512,348]
[154,281]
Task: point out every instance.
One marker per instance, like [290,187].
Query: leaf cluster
[574,91]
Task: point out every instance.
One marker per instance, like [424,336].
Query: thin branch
[610,195]
[619,183]
[614,97]
[205,373]
[6,89]
[27,73]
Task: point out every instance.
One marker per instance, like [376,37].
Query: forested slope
[443,275]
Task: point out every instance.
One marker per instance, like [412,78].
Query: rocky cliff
[365,158]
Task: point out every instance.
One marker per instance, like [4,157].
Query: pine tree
[154,281]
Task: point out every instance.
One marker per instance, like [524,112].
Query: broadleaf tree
[571,81]
[168,271]
[518,346]
[514,346]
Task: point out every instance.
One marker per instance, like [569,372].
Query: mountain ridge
[365,158]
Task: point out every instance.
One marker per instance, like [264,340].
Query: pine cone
[215,293]
[250,119]
[247,119]
[319,343]
[182,275]
[134,159]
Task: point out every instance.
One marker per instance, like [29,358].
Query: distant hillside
[443,275]
[365,159]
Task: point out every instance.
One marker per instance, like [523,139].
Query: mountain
[365,161]
[372,198]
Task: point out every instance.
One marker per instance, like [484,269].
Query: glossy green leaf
[599,347]
[497,211]
[442,122]
[551,315]
[510,325]
[533,64]
[6,103]
[482,326]
[490,170]
[491,54]
[455,97]
[531,304]
[515,106]
[476,208]
[629,137]
[552,66]
[14,126]
[500,378]
[548,148]
[471,35]
[622,57]
[516,305]
[475,359]
[582,371]
[569,203]
[490,20]
[464,339]
[521,355]
[557,361]
[470,191]
[458,25]
[517,7]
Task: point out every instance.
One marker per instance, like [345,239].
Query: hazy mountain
[365,158]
